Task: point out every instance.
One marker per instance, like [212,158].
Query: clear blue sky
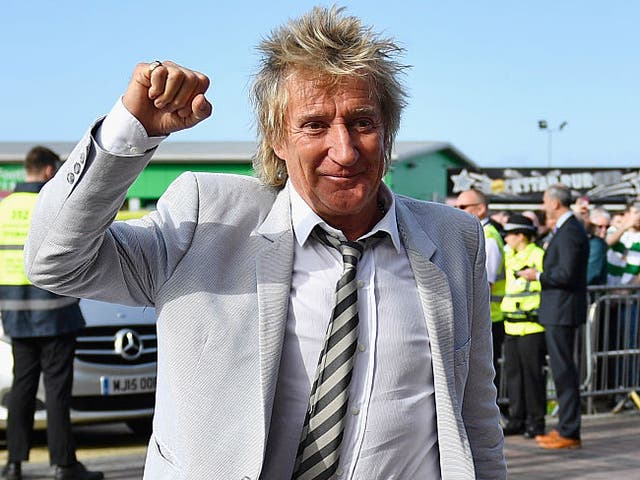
[483,72]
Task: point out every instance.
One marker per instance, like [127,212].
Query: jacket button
[76,168]
[83,157]
[70,177]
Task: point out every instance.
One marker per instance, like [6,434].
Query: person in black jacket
[563,308]
[43,327]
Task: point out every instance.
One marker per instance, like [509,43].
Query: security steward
[43,328]
[476,203]
[524,344]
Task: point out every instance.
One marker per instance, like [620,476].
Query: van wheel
[141,426]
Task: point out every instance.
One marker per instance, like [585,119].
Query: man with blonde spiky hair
[312,324]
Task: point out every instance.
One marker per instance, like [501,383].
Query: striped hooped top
[623,259]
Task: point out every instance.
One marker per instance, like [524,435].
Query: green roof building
[418,169]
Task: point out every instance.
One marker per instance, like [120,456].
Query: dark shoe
[77,471]
[513,428]
[533,433]
[12,471]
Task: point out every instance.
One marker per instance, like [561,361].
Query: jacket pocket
[461,368]
[461,353]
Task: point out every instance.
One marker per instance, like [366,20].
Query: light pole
[543,125]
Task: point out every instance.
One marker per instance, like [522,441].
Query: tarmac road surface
[110,448]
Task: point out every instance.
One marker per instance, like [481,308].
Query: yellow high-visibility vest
[15,219]
[498,288]
[522,297]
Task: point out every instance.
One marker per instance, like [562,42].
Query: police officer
[43,328]
[524,343]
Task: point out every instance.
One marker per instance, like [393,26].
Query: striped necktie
[319,450]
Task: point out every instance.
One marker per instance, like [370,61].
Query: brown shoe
[552,435]
[560,442]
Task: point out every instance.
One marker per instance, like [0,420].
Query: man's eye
[363,124]
[313,126]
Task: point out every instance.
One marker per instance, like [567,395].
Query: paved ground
[611,450]
[111,448]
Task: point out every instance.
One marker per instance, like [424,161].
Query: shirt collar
[304,219]
[563,218]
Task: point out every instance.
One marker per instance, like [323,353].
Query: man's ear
[279,150]
[49,172]
[483,210]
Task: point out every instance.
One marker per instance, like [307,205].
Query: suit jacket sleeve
[73,248]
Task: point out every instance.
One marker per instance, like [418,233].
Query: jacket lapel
[274,266]
[435,295]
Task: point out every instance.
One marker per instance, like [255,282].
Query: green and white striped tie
[319,450]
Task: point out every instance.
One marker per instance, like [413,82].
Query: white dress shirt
[493,260]
[562,219]
[390,431]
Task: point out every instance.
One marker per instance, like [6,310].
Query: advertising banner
[524,185]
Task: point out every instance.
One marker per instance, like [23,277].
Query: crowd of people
[545,291]
[548,259]
[614,239]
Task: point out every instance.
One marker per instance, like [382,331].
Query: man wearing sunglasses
[475,202]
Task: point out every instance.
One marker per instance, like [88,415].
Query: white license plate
[127,385]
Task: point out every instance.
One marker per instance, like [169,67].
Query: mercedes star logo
[128,344]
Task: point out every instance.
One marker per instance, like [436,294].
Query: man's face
[333,148]
[633,216]
[600,226]
[470,203]
[549,207]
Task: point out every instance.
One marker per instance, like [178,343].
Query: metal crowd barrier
[607,353]
[610,365]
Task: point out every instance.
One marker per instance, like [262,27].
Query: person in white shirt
[245,286]
[476,203]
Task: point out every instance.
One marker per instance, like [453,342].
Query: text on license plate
[127,385]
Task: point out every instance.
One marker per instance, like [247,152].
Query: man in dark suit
[563,309]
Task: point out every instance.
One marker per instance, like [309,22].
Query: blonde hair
[331,47]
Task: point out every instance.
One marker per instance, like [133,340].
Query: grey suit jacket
[215,260]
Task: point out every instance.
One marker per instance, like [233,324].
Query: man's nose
[342,147]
